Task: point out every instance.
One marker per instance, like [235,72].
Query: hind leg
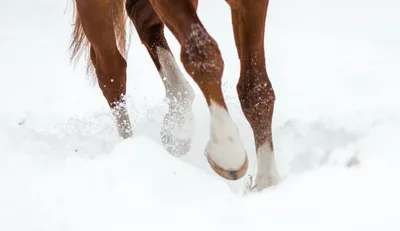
[255,91]
[177,127]
[109,64]
[202,60]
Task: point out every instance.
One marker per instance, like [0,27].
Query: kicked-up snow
[334,68]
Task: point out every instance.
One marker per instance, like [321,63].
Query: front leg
[202,60]
[176,131]
[255,91]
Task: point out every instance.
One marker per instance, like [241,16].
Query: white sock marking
[267,173]
[178,123]
[177,87]
[123,122]
[225,148]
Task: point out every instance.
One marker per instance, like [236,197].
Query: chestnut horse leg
[202,59]
[178,122]
[110,66]
[255,91]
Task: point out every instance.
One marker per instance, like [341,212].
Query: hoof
[229,174]
[175,146]
[176,133]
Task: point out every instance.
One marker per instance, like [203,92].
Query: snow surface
[334,67]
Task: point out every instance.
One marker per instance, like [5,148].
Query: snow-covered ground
[334,67]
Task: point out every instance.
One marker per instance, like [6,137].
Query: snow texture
[334,68]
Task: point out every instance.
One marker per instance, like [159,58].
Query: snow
[334,68]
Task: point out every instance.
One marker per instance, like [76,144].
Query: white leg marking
[225,148]
[267,173]
[177,128]
[176,86]
[123,122]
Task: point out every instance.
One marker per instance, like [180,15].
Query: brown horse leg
[202,59]
[109,64]
[178,122]
[255,91]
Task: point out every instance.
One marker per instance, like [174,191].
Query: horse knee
[255,93]
[201,56]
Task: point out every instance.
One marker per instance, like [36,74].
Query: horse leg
[178,122]
[202,59]
[110,66]
[254,88]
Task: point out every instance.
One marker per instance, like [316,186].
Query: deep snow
[334,68]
